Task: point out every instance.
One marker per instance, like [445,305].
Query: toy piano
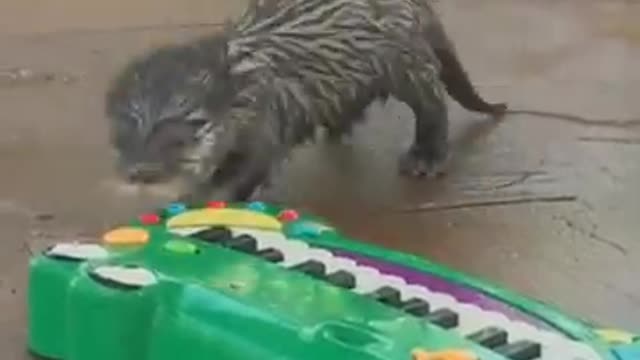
[254,281]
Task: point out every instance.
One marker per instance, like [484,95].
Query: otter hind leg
[419,88]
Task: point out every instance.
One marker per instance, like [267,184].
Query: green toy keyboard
[255,281]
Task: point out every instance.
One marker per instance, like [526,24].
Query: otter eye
[170,135]
[197,119]
[176,143]
[197,123]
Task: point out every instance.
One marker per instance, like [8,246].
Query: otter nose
[143,173]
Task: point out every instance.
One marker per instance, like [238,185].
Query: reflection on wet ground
[544,205]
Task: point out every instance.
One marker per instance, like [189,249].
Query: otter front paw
[419,163]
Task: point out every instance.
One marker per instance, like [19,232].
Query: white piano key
[187,231]
[393,281]
[548,338]
[270,242]
[522,331]
[566,349]
[137,277]
[331,262]
[265,239]
[367,279]
[416,291]
[439,301]
[321,255]
[295,252]
[553,347]
[472,318]
[337,263]
[78,251]
[580,351]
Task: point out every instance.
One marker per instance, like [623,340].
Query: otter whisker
[189,160]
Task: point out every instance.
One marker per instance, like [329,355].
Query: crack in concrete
[23,76]
[593,235]
[610,140]
[123,29]
[468,204]
[519,180]
[579,120]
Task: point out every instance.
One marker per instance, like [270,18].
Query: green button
[180,246]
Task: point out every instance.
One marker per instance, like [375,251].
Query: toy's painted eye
[77,252]
[127,277]
[187,231]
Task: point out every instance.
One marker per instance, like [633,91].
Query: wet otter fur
[224,111]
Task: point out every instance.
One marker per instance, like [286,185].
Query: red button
[150,219]
[217,204]
[288,215]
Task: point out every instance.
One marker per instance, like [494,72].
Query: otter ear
[198,118]
[221,59]
[215,50]
[223,39]
[225,54]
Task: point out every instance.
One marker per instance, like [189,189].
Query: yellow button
[126,236]
[225,217]
[613,336]
[443,355]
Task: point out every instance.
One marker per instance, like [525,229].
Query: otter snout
[144,173]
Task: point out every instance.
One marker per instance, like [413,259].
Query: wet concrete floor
[574,57]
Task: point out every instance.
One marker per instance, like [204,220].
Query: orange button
[443,355]
[126,236]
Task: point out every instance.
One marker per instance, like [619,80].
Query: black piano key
[271,255]
[490,337]
[311,267]
[387,295]
[417,307]
[244,243]
[445,318]
[214,235]
[343,279]
[521,350]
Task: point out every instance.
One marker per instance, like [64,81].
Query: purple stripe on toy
[437,284]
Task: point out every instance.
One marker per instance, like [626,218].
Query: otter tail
[454,76]
[459,85]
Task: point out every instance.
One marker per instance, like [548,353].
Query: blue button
[257,206]
[627,352]
[176,208]
[307,229]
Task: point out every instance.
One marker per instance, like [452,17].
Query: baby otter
[223,111]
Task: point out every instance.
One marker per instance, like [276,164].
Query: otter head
[163,110]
